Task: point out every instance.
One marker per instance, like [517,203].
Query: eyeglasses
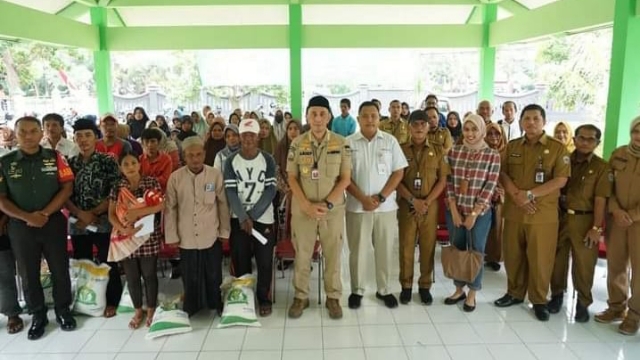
[588,140]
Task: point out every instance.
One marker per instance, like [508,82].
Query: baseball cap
[108,116]
[417,115]
[249,125]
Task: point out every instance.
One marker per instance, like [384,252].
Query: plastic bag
[239,302]
[169,320]
[92,281]
[126,304]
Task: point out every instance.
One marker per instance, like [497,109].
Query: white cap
[249,125]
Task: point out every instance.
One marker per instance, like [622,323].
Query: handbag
[462,265]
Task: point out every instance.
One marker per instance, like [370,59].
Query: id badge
[539,177]
[315,174]
[417,184]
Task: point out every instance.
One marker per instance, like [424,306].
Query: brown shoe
[608,316]
[298,306]
[629,326]
[335,311]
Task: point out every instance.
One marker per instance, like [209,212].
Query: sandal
[150,313]
[265,309]
[110,311]
[135,321]
[14,325]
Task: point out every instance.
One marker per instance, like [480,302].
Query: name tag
[49,169]
[210,187]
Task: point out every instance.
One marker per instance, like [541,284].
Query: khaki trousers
[425,228]
[623,247]
[529,254]
[369,232]
[304,232]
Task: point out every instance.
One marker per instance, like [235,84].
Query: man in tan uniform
[319,170]
[395,125]
[533,171]
[582,210]
[623,233]
[438,135]
[423,182]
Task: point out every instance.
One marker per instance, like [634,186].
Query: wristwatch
[530,195]
[473,213]
[382,198]
[329,204]
[597,228]
[411,200]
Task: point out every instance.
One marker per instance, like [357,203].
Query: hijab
[479,143]
[503,143]
[212,146]
[282,150]
[456,132]
[633,149]
[569,143]
[269,143]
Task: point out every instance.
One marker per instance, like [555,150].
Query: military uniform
[31,182]
[331,157]
[622,242]
[427,165]
[530,240]
[441,137]
[589,179]
[399,129]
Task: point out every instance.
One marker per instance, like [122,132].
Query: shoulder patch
[610,176]
[566,160]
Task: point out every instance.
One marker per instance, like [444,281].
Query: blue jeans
[458,238]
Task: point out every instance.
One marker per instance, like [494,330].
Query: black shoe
[38,325]
[389,300]
[507,301]
[405,296]
[555,304]
[495,266]
[453,301]
[469,308]
[425,296]
[66,321]
[541,311]
[582,314]
[355,301]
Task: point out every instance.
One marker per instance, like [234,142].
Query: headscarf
[569,143]
[633,149]
[269,143]
[503,143]
[212,146]
[478,121]
[456,132]
[282,150]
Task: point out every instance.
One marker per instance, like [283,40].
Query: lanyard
[314,150]
[417,159]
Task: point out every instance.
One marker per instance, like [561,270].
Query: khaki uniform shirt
[400,129]
[427,163]
[590,178]
[332,156]
[626,192]
[520,163]
[441,137]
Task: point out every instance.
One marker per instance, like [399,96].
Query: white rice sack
[239,302]
[169,320]
[92,280]
[126,304]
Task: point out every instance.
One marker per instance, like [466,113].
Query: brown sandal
[265,309]
[150,314]
[135,321]
[110,311]
[14,325]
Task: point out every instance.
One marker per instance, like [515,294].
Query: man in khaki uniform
[423,182]
[623,233]
[438,135]
[533,171]
[395,125]
[582,211]
[319,170]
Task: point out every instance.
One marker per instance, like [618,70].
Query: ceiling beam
[514,7]
[551,19]
[103,3]
[25,23]
[90,3]
[114,18]
[127,3]
[475,16]
[73,11]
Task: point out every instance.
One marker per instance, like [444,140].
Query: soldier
[582,207]
[395,125]
[534,169]
[438,135]
[622,239]
[319,171]
[423,182]
[34,185]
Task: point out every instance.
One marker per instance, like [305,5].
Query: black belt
[577,212]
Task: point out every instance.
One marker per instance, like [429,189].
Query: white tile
[533,332]
[16,356]
[84,356]
[510,352]
[136,356]
[374,315]
[412,314]
[303,338]
[431,352]
[190,341]
[484,312]
[555,351]
[54,357]
[349,318]
[219,355]
[277,318]
[419,335]
[386,353]
[261,355]
[178,356]
[138,343]
[574,332]
[341,337]
[440,313]
[90,323]
[629,351]
[6,338]
[224,339]
[68,341]
[496,333]
[457,334]
[311,317]
[517,313]
[302,354]
[466,352]
[203,319]
[380,335]
[344,354]
[118,322]
[263,339]
[22,345]
[592,351]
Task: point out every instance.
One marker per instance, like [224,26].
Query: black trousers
[201,278]
[29,244]
[83,249]
[147,269]
[244,247]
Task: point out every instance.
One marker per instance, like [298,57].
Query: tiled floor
[372,332]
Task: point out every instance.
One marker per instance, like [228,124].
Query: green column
[102,62]
[487,54]
[623,102]
[295,59]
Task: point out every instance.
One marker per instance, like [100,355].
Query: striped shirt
[480,168]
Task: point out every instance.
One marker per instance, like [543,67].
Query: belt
[577,212]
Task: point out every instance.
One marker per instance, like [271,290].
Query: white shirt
[373,162]
[510,131]
[65,147]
